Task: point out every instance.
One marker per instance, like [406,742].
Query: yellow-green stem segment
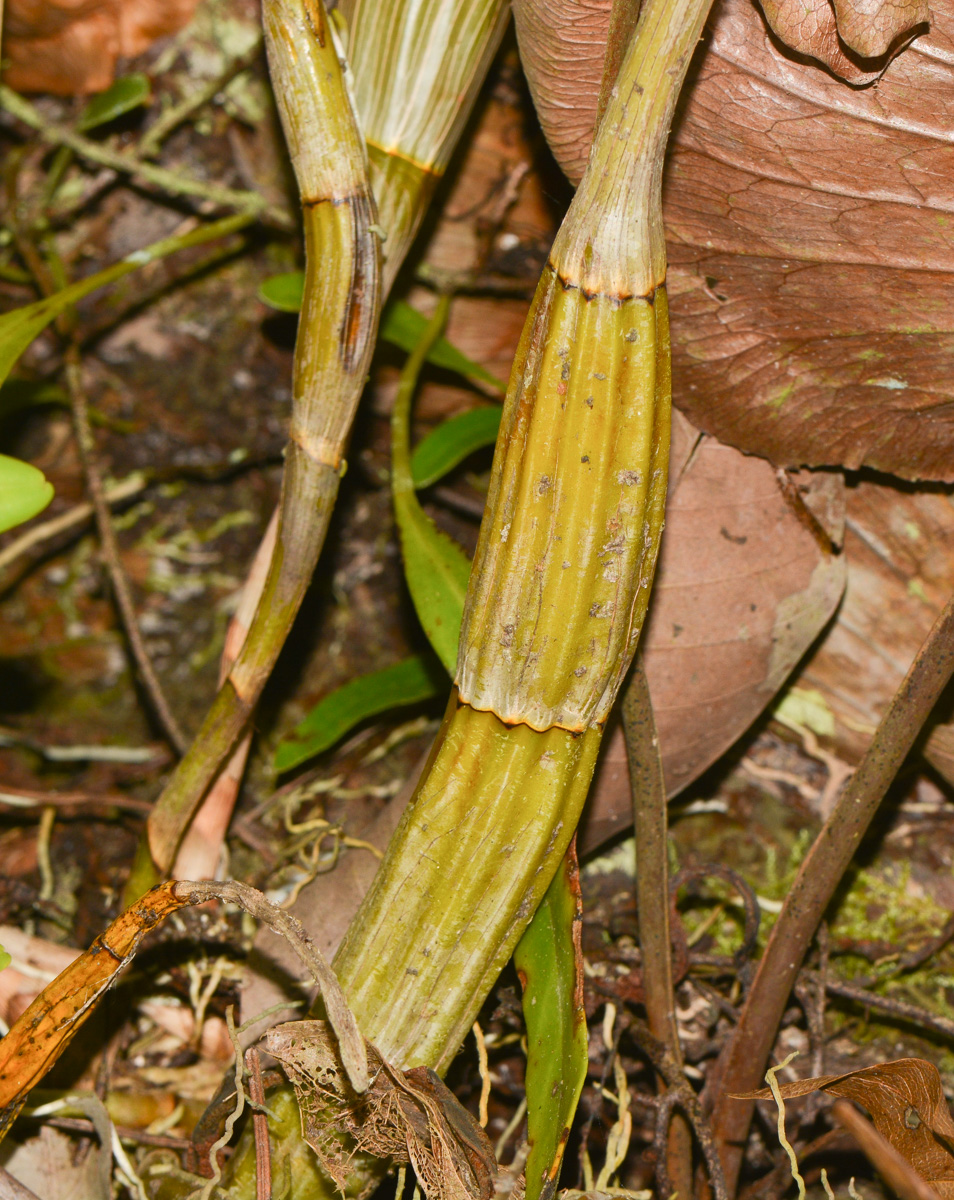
[336,338]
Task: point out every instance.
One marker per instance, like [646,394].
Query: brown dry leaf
[746,581]
[907,1105]
[562,47]
[70,47]
[51,1021]
[854,38]
[811,254]
[408,1116]
[47,1027]
[810,246]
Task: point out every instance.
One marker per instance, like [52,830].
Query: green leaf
[549,962]
[451,442]
[122,97]
[19,327]
[436,568]
[407,682]
[5,959]
[24,491]
[283,292]
[401,325]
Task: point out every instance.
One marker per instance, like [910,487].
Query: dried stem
[119,581]
[652,897]
[742,1063]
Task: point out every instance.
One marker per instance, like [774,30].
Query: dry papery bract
[407,1116]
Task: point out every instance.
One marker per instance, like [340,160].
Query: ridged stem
[474,853]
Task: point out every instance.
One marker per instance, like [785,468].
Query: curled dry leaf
[408,1116]
[854,44]
[907,1105]
[70,47]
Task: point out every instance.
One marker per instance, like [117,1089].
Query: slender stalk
[119,581]
[652,899]
[742,1062]
[336,338]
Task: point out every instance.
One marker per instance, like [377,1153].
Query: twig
[652,898]
[171,182]
[110,547]
[83,1125]
[153,138]
[688,1101]
[901,1009]
[14,797]
[740,1067]
[263,1154]
[898,1173]
[13,1189]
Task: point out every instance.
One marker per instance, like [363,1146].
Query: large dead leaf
[907,1105]
[746,581]
[408,1116]
[809,232]
[811,254]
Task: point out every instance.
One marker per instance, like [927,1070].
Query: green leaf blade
[453,441]
[121,97]
[283,292]
[407,682]
[24,492]
[549,962]
[403,326]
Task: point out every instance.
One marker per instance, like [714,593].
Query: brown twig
[901,1009]
[742,1062]
[15,797]
[110,548]
[898,1173]
[263,1154]
[652,899]
[660,1057]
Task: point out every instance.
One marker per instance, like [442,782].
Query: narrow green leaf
[451,442]
[5,959]
[436,568]
[24,491]
[407,682]
[283,292]
[19,327]
[121,97]
[401,325]
[549,963]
